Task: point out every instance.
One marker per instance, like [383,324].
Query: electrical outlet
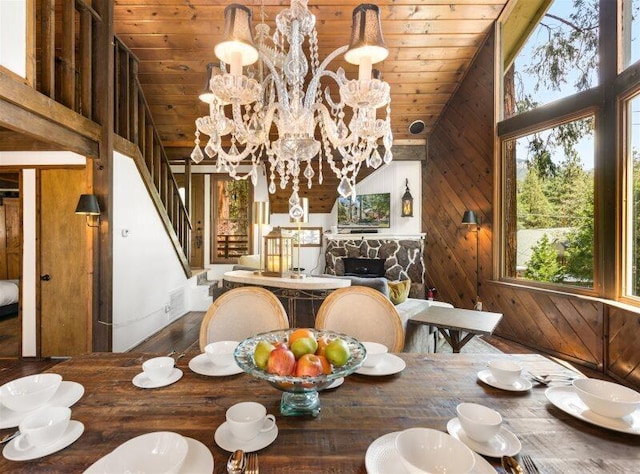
[167,308]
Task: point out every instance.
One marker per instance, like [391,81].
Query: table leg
[453,337]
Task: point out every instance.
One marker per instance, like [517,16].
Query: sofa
[417,337]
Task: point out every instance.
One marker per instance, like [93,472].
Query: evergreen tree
[534,209]
[544,265]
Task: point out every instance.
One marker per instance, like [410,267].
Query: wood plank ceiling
[431,45]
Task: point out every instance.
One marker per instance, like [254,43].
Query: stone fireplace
[403,257]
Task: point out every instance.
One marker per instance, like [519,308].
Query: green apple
[261,353]
[304,345]
[337,352]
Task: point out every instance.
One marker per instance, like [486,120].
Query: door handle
[45,277]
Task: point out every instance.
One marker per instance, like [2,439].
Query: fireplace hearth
[364,267]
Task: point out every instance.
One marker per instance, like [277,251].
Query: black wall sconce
[407,202]
[88,206]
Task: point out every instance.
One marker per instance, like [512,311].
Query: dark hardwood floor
[9,336]
[180,336]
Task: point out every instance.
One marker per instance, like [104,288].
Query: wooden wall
[458,175]
[10,247]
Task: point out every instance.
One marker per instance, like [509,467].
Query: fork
[252,464]
[529,465]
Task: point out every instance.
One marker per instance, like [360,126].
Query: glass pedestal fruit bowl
[300,395]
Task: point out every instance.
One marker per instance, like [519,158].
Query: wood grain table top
[355,414]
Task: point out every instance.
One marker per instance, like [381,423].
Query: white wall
[145,267]
[13,27]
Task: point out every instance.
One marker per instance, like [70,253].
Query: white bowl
[480,423]
[29,393]
[607,398]
[221,352]
[375,353]
[423,450]
[161,452]
[505,371]
[158,368]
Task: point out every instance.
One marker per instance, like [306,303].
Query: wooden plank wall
[458,175]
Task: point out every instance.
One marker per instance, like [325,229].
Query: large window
[231,220]
[558,59]
[550,235]
[630,32]
[632,116]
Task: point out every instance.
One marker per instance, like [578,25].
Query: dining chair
[363,313]
[240,313]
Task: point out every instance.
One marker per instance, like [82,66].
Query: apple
[300,333]
[261,353]
[309,365]
[337,352]
[281,361]
[304,345]
[326,366]
[323,341]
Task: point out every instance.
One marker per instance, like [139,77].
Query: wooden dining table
[354,415]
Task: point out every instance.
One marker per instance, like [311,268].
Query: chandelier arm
[282,95]
[313,84]
[333,137]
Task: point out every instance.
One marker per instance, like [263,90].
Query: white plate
[67,394]
[391,364]
[334,384]
[199,460]
[225,439]
[520,385]
[142,381]
[382,458]
[200,364]
[505,443]
[72,433]
[568,401]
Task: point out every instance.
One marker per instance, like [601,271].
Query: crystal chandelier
[309,123]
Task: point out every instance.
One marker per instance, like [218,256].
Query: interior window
[559,58]
[231,220]
[549,232]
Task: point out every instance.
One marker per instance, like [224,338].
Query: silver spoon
[510,464]
[236,462]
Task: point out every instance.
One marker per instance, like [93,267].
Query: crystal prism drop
[388,156]
[387,140]
[345,189]
[296,212]
[210,148]
[233,151]
[343,131]
[272,187]
[294,200]
[196,154]
[308,171]
[375,161]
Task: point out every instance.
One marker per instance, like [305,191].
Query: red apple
[281,361]
[309,365]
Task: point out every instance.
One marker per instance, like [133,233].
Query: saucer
[567,400]
[505,443]
[142,381]
[520,385]
[200,364]
[382,458]
[199,460]
[334,384]
[67,394]
[390,364]
[71,434]
[228,442]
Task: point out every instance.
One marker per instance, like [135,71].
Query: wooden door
[197,219]
[13,246]
[64,297]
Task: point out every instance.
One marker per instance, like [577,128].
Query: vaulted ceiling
[431,44]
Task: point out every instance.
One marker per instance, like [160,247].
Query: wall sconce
[470,218]
[304,202]
[407,202]
[260,217]
[88,205]
[277,253]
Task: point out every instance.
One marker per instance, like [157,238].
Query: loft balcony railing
[65,32]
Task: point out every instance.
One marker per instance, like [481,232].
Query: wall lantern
[407,202]
[88,206]
[471,219]
[278,251]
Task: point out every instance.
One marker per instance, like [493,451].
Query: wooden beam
[17,141]
[47,59]
[68,75]
[45,130]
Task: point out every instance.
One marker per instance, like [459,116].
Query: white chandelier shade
[244,104]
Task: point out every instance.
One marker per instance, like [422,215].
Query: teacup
[43,427]
[505,372]
[375,353]
[158,368]
[247,420]
[480,423]
[221,353]
[30,392]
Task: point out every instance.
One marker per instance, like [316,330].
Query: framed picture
[309,236]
